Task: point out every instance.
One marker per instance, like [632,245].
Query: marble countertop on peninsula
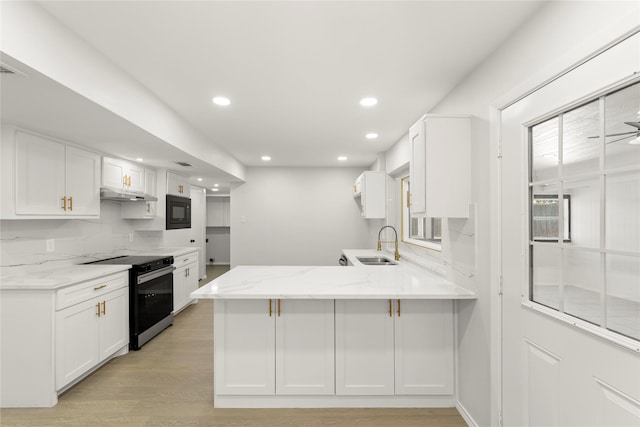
[402,281]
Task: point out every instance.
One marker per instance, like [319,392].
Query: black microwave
[178,212]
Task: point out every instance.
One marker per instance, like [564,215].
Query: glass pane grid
[593,272]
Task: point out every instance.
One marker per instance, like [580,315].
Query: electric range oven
[150,296]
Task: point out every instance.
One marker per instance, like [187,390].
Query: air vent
[184,164]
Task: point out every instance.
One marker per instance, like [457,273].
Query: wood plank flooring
[169,382]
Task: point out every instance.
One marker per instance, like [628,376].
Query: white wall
[296,216]
[219,245]
[539,47]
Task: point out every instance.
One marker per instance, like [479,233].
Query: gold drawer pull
[398,308]
[98,309]
[64,203]
[390,308]
[278,308]
[70,203]
[270,308]
[99,287]
[104,307]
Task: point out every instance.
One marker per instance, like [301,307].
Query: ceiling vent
[184,164]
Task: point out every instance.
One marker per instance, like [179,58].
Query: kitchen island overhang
[325,336]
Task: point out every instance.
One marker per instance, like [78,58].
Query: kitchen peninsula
[325,336]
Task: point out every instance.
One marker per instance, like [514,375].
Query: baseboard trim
[465,415]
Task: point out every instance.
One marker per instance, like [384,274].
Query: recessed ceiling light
[139,159]
[371,135]
[368,102]
[342,158]
[215,185]
[214,189]
[199,179]
[221,100]
[265,158]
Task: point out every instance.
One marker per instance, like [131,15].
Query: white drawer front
[84,291]
[182,260]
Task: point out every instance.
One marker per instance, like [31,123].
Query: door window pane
[623,212]
[622,127]
[544,150]
[623,295]
[581,278]
[581,139]
[546,275]
[583,218]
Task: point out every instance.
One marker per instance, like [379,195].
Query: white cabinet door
[244,347]
[179,288]
[418,167]
[113,173]
[136,178]
[305,347]
[424,347]
[364,347]
[82,182]
[440,166]
[151,188]
[40,175]
[191,281]
[114,322]
[178,185]
[76,341]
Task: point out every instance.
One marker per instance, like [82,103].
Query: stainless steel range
[150,296]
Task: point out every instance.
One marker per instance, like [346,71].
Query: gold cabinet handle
[104,308]
[124,180]
[355,188]
[64,203]
[70,203]
[398,308]
[278,308]
[99,287]
[408,199]
[390,308]
[270,308]
[129,179]
[98,309]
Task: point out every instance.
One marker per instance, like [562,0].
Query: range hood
[121,196]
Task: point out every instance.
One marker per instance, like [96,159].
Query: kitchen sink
[375,261]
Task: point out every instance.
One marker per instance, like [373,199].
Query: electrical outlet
[50,245]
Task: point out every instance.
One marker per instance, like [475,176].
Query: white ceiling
[295,71]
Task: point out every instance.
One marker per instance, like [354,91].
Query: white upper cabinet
[53,179]
[178,185]
[369,192]
[440,168]
[143,209]
[121,175]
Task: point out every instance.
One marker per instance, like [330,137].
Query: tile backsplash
[24,242]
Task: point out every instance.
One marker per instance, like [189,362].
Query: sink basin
[378,260]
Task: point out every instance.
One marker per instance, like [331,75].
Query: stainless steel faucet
[396,255]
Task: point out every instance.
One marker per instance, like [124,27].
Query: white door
[197,233]
[554,372]
[40,175]
[82,182]
[424,347]
[244,347]
[76,341]
[114,322]
[305,347]
[364,347]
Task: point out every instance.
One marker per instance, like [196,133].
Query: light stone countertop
[52,279]
[402,281]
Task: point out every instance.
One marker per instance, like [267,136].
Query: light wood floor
[169,382]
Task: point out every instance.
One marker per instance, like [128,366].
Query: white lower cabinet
[90,332]
[394,347]
[364,347]
[274,347]
[185,280]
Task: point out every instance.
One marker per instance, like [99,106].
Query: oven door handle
[155,274]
